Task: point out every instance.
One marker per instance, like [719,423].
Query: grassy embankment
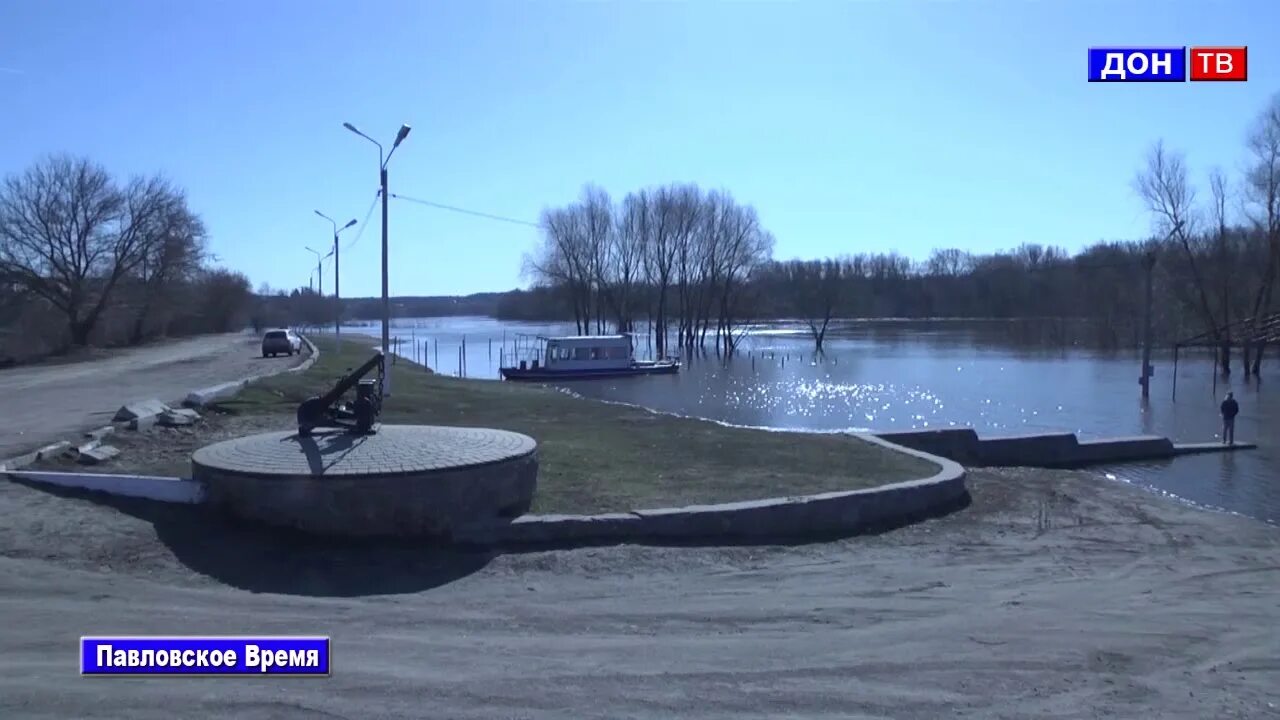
[593,456]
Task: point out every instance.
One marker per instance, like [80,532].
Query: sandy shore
[1053,595]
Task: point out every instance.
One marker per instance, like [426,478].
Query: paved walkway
[48,403]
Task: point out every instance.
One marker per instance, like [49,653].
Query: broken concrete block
[140,409]
[86,447]
[99,454]
[101,432]
[53,450]
[179,418]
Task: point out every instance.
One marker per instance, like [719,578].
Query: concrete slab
[1210,447]
[54,450]
[139,409]
[179,418]
[101,432]
[206,396]
[98,455]
[163,489]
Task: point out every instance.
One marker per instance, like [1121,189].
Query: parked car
[278,342]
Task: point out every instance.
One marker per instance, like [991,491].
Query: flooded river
[885,375]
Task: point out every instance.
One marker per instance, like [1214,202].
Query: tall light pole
[319,275]
[337,289]
[386,297]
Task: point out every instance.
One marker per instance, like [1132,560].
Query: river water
[890,375]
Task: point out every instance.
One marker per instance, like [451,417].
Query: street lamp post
[386,297]
[337,288]
[319,274]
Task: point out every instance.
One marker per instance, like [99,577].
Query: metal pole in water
[1215,372]
[437,342]
[1175,372]
[1149,264]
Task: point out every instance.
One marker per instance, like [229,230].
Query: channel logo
[1218,63]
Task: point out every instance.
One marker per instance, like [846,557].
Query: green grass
[600,457]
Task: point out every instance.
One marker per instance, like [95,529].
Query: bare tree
[174,254]
[949,262]
[626,257]
[815,287]
[1163,185]
[1218,220]
[68,234]
[1262,188]
[595,211]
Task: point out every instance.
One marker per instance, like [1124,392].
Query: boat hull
[543,374]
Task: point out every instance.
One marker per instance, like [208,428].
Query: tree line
[89,258]
[691,262]
[679,257]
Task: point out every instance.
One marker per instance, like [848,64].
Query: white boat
[582,357]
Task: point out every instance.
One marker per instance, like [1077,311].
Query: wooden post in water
[1148,265]
[464,355]
[1175,372]
[437,346]
[1215,372]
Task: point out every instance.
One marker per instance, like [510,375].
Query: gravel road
[1054,595]
[48,403]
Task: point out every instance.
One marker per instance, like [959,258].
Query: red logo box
[1219,63]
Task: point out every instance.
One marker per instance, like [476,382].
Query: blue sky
[850,126]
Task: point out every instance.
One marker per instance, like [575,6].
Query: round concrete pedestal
[405,480]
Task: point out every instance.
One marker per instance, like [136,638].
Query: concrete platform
[405,480]
[1210,447]
[1047,450]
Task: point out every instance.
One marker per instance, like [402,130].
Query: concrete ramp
[1047,450]
[1044,450]
[1124,449]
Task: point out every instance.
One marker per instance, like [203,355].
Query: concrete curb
[162,489]
[206,396]
[824,514]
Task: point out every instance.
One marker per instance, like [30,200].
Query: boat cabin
[588,352]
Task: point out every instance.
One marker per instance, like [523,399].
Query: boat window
[582,353]
[617,353]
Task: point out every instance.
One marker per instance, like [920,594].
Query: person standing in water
[1230,408]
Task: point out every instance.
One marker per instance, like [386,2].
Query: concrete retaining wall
[1048,450]
[825,514]
[808,516]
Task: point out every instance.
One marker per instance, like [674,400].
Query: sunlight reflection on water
[915,376]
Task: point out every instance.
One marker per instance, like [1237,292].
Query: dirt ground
[51,402]
[1053,595]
